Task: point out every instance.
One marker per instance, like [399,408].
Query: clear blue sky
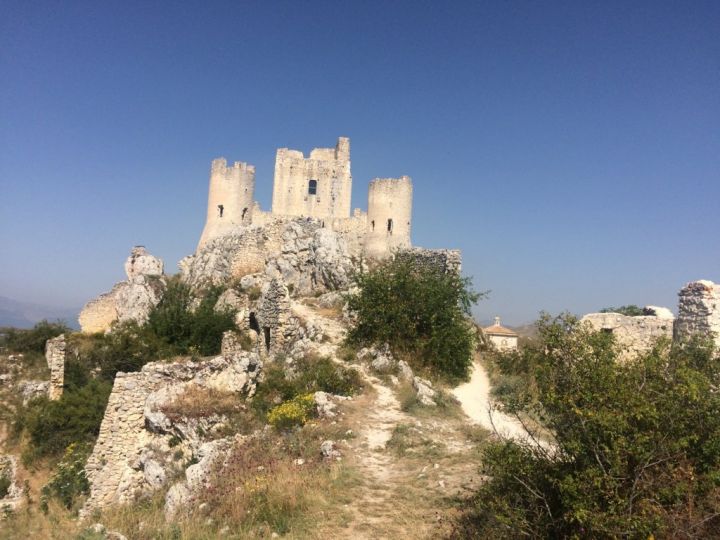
[570,149]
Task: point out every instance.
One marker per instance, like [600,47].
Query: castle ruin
[318,187]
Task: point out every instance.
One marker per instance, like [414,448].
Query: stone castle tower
[317,187]
[389,215]
[230,199]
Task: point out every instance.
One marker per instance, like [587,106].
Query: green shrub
[52,426]
[184,330]
[309,375]
[295,412]
[69,481]
[32,340]
[631,310]
[420,311]
[637,443]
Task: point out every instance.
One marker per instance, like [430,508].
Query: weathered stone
[324,405]
[699,312]
[424,391]
[141,263]
[328,450]
[134,421]
[633,335]
[130,300]
[55,357]
[405,372]
[30,390]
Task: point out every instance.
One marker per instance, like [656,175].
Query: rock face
[55,356]
[134,440]
[299,251]
[634,335]
[699,311]
[129,300]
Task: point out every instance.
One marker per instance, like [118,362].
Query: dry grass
[259,490]
[199,401]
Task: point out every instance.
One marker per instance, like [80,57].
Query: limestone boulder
[130,300]
[425,393]
[141,263]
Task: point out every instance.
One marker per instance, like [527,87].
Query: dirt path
[474,397]
[400,494]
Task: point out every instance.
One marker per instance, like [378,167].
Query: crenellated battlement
[317,186]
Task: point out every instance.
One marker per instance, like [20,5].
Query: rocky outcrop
[136,436]
[30,390]
[197,476]
[633,335]
[699,311]
[55,357]
[302,253]
[130,300]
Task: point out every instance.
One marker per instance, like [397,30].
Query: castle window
[372,223]
[221,209]
[243,214]
[312,187]
[390,226]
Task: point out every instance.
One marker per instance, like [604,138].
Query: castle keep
[318,187]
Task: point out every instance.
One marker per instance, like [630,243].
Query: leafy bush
[32,340]
[295,412]
[631,310]
[182,329]
[309,375]
[54,425]
[637,444]
[69,481]
[421,311]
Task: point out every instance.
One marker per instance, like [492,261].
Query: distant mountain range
[25,314]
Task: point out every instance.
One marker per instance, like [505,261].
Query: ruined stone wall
[448,260]
[389,216]
[634,335]
[233,189]
[273,316]
[134,425]
[328,168]
[699,311]
[55,357]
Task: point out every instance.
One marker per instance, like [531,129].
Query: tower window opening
[244,213]
[390,226]
[312,187]
[266,333]
[221,209]
[372,224]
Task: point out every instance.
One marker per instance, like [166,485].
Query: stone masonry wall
[389,216]
[634,335]
[327,168]
[448,260]
[132,424]
[699,311]
[55,356]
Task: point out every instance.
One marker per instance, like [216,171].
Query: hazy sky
[570,149]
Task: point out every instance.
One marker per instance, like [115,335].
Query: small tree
[421,311]
[636,449]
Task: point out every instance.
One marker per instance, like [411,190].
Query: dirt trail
[474,397]
[400,494]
